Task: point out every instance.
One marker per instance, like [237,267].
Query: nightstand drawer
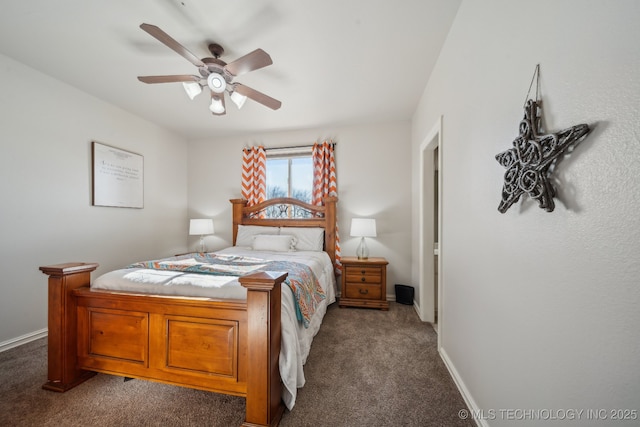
[363,274]
[359,291]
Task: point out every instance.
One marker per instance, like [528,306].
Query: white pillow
[270,242]
[247,232]
[307,238]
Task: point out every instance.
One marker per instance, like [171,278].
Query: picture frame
[118,177]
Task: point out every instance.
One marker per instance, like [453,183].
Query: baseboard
[392,298]
[466,395]
[418,310]
[416,307]
[15,342]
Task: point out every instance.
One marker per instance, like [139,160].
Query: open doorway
[430,226]
[436,230]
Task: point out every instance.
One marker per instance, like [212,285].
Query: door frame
[426,217]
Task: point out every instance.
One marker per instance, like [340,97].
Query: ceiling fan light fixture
[216,107]
[238,99]
[216,83]
[192,89]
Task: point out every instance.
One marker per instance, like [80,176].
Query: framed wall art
[118,177]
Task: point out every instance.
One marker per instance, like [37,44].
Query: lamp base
[203,249]
[363,251]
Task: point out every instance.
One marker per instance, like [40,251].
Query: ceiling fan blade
[169,79]
[260,97]
[171,43]
[251,61]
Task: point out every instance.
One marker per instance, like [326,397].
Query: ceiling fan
[215,74]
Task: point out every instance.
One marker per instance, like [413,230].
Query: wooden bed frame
[224,346]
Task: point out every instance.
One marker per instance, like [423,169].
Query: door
[430,224]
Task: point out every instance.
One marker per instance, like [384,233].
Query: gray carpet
[366,368]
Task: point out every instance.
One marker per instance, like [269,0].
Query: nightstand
[364,283]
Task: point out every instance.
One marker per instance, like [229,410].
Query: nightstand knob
[362,279]
[364,291]
[362,272]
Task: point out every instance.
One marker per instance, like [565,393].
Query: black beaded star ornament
[529,162]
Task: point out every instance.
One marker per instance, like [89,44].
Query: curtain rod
[293,147]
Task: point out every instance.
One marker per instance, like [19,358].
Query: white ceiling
[335,62]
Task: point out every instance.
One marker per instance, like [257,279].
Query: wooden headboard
[286,208]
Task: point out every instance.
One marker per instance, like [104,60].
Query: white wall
[46,217]
[374,180]
[540,310]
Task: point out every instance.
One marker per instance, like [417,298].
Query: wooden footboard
[224,346]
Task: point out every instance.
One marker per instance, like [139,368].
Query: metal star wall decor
[529,161]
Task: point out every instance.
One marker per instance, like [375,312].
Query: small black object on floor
[404,294]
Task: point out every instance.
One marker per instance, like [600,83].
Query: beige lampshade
[363,227]
[201,227]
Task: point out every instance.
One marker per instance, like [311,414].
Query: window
[289,175]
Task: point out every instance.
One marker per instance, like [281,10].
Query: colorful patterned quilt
[303,283]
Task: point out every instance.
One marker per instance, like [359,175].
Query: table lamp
[363,227]
[201,227]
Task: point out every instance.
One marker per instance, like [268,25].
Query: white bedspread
[296,339]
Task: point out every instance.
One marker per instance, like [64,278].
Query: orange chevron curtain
[254,175]
[324,180]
